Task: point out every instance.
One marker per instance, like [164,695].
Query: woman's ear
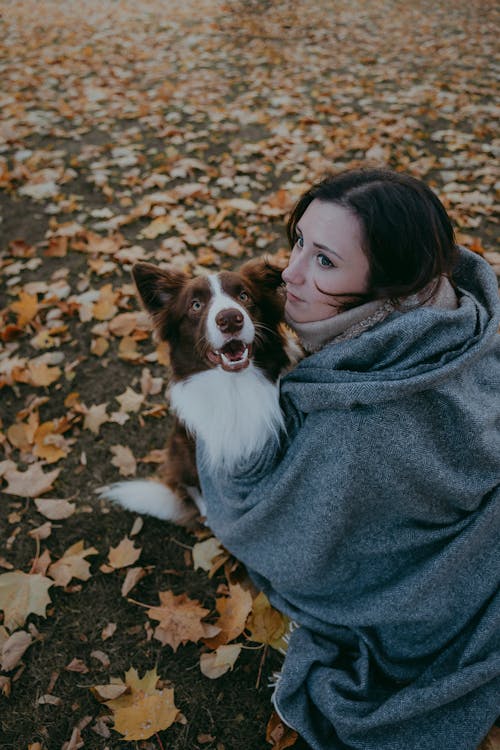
[263,273]
[157,286]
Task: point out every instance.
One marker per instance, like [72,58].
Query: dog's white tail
[149,497]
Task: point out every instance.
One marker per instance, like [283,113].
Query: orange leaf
[124,554]
[180,620]
[26,309]
[234,610]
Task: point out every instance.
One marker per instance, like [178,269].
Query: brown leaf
[234,610]
[72,564]
[220,661]
[124,460]
[266,624]
[77,665]
[133,576]
[54,509]
[20,595]
[124,554]
[26,308]
[180,619]
[95,416]
[108,631]
[30,483]
[279,735]
[13,650]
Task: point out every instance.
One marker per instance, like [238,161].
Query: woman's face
[327,264]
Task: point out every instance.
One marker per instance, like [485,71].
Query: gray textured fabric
[376,524]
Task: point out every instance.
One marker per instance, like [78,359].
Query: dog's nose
[230,320]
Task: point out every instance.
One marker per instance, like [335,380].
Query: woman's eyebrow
[327,249]
[319,245]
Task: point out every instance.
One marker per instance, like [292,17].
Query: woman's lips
[291,297]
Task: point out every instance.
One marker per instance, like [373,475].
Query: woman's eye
[243,296]
[299,241]
[196,305]
[324,261]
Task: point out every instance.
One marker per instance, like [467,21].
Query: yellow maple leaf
[142,710]
[22,594]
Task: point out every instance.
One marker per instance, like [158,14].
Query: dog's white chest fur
[234,414]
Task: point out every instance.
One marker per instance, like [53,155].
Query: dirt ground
[179,132]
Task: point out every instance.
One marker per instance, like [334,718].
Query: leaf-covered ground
[176,132]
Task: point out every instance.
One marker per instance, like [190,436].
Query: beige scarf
[354,322]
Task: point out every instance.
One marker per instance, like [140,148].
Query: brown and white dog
[228,347]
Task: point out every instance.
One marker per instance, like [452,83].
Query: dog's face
[222,320]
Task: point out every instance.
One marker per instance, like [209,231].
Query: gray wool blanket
[375,525]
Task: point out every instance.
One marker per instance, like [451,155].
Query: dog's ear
[263,273]
[157,286]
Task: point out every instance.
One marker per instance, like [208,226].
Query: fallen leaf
[134,575]
[77,665]
[204,553]
[41,532]
[233,610]
[26,308]
[49,700]
[102,657]
[124,554]
[142,710]
[180,620]
[220,661]
[54,509]
[13,650]
[72,564]
[30,483]
[129,400]
[108,631]
[265,624]
[95,416]
[278,734]
[41,374]
[124,460]
[22,594]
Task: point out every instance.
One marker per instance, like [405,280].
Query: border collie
[228,346]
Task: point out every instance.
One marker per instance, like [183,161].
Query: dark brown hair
[408,237]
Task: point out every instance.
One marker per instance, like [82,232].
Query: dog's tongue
[234,350]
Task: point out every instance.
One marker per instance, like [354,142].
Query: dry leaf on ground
[30,483]
[72,564]
[22,594]
[142,710]
[124,554]
[180,620]
[233,610]
[124,460]
[220,661]
[265,624]
[13,649]
[54,509]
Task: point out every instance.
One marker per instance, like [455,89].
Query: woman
[375,524]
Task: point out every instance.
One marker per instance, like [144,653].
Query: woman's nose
[293,273]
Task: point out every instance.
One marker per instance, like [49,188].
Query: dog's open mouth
[233,356]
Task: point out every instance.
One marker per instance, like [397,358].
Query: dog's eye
[196,305]
[243,296]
